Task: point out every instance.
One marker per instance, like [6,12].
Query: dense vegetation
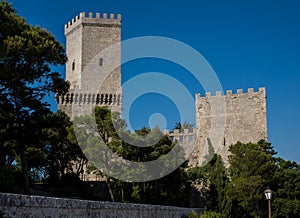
[38,148]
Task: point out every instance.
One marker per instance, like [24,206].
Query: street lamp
[268,194]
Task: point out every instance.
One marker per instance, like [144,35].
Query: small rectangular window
[172,138]
[101,62]
[181,138]
[73,65]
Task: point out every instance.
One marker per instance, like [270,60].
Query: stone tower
[93,80]
[243,119]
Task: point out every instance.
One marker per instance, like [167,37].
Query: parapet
[239,92]
[182,132]
[185,136]
[100,19]
[93,99]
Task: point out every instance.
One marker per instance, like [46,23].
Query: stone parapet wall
[185,136]
[14,205]
[95,99]
[92,20]
[87,102]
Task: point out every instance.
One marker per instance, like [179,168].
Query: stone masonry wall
[86,37]
[222,120]
[14,205]
[185,137]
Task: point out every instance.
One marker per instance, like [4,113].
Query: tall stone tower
[93,80]
[243,119]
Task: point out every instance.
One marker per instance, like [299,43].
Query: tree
[205,214]
[170,190]
[63,152]
[26,77]
[92,146]
[286,186]
[185,125]
[7,154]
[251,170]
[209,183]
[217,175]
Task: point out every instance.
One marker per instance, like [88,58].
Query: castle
[241,116]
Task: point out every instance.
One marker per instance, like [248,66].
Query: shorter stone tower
[243,118]
[93,71]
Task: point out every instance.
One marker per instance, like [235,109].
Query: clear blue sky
[248,43]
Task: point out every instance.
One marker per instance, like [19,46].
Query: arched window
[73,65]
[101,62]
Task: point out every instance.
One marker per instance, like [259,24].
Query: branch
[10,82]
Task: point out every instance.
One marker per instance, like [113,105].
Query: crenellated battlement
[104,99]
[185,136]
[239,92]
[93,19]
[178,132]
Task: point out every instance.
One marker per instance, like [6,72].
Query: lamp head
[268,193]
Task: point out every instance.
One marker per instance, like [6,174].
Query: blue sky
[248,44]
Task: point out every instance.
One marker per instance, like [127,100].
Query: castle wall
[73,50]
[98,35]
[13,205]
[243,119]
[186,139]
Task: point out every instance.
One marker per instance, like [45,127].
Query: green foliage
[170,190]
[286,184]
[185,125]
[7,180]
[218,178]
[104,121]
[213,180]
[239,192]
[71,186]
[62,147]
[205,214]
[251,167]
[26,56]
[192,214]
[211,214]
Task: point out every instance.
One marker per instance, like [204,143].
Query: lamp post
[268,193]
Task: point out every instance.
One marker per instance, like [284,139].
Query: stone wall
[87,37]
[222,120]
[186,139]
[14,205]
